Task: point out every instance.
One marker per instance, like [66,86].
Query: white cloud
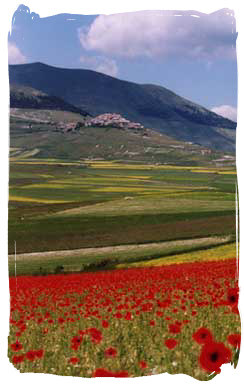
[108,66]
[14,54]
[156,33]
[100,64]
[226,111]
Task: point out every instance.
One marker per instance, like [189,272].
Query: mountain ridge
[154,106]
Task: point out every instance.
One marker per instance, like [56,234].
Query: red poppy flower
[171,343]
[73,360]
[16,346]
[143,364]
[111,352]
[152,323]
[234,340]
[95,334]
[202,336]
[138,313]
[186,321]
[174,328]
[101,372]
[105,324]
[76,339]
[75,347]
[17,359]
[118,315]
[30,355]
[233,296]
[23,328]
[159,313]
[75,342]
[164,304]
[213,355]
[128,316]
[39,353]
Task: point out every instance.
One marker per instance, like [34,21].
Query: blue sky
[193,54]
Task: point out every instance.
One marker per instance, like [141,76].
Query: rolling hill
[43,134]
[153,106]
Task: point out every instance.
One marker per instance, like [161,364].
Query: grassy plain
[121,256]
[56,205]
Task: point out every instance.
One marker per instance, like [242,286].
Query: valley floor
[73,216]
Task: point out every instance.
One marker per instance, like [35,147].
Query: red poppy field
[126,323]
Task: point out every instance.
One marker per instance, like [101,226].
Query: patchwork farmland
[75,205]
[111,255]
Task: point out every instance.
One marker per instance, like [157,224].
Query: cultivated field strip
[137,255]
[167,245]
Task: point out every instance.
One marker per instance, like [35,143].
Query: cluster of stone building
[105,120]
[112,120]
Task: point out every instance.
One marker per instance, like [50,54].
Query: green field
[56,205]
[136,255]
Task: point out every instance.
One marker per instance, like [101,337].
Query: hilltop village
[114,120]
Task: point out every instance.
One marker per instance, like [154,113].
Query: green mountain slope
[38,133]
[153,106]
[27,97]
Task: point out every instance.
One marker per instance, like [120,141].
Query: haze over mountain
[153,106]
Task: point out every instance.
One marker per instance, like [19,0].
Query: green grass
[73,182]
[57,233]
[105,257]
[57,205]
[215,253]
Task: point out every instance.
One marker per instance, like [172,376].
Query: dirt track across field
[205,241]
